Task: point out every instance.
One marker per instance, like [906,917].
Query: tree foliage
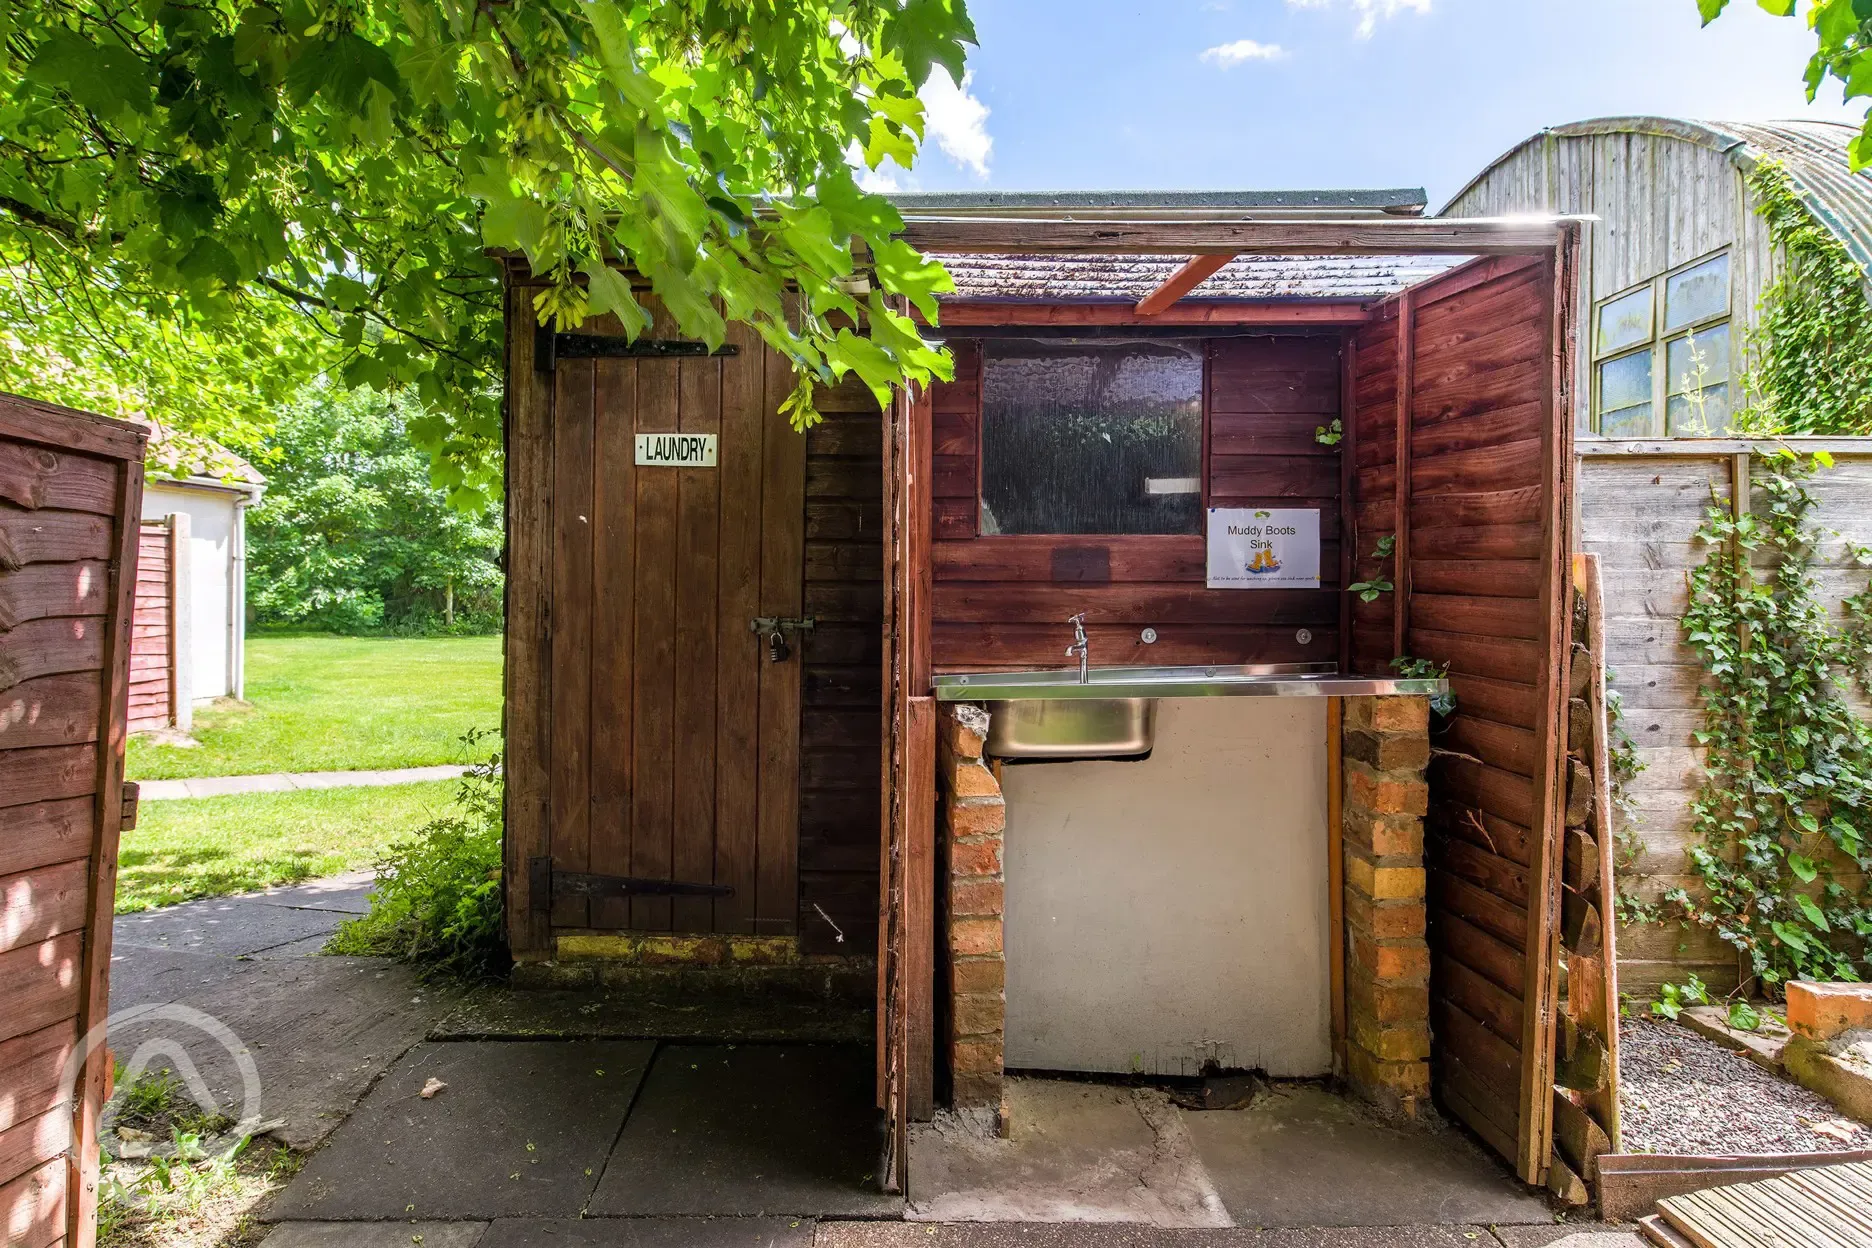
[205,165]
[1843,37]
[351,536]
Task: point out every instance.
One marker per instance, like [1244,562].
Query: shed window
[1661,355]
[1091,437]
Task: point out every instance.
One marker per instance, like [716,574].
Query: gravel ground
[1680,1093]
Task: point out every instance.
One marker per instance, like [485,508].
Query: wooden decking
[1830,1207]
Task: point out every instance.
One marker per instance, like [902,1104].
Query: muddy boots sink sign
[1256,548]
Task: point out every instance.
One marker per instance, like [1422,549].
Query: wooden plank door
[673,732]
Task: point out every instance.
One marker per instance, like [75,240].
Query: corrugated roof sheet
[1813,153]
[1095,279]
[1394,201]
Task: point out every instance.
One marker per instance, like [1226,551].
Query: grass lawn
[210,846]
[317,703]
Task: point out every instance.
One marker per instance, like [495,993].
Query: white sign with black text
[1263,548]
[676,450]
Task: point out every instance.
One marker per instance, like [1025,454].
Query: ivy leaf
[1743,1016]
[1803,867]
[1789,937]
[1811,909]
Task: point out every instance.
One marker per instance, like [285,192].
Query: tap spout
[1081,647]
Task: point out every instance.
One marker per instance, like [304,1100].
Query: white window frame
[1658,344]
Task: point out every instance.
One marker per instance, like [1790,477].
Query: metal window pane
[1628,422]
[1082,437]
[1623,322]
[1697,294]
[1625,382]
[1698,359]
[1705,414]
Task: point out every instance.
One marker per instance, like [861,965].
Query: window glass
[1625,396]
[1697,294]
[1101,437]
[1623,321]
[1698,383]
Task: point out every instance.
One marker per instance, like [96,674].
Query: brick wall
[1387,973]
[973,820]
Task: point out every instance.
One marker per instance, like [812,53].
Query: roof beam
[1194,272]
[961,313]
[1402,237]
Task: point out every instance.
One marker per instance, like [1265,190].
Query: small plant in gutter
[1444,704]
[1330,435]
[1369,590]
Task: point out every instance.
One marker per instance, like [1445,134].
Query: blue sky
[1118,94]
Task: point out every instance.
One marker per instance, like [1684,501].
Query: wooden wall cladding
[152,647]
[71,487]
[1001,602]
[1371,441]
[1477,591]
[841,724]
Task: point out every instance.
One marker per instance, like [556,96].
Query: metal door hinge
[551,346]
[547,885]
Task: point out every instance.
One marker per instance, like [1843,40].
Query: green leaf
[1711,9]
[902,270]
[1811,909]
[1743,1016]
[1803,867]
[1789,936]
[1780,8]
[926,33]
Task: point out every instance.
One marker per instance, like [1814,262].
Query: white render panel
[1170,912]
[214,628]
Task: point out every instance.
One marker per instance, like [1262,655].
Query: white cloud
[1229,55]
[1370,12]
[957,121]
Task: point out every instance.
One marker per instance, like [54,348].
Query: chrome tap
[1081,648]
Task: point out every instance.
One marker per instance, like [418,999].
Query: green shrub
[437,901]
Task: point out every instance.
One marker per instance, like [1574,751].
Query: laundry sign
[1264,548]
[676,450]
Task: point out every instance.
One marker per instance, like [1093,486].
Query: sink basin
[1264,680]
[1072,728]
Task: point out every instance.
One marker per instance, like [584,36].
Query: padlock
[777,648]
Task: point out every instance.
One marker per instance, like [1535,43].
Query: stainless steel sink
[1265,680]
[1072,728]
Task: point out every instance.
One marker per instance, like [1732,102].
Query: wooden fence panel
[1640,507]
[67,585]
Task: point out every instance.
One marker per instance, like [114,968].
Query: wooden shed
[70,487]
[701,604]
[1675,254]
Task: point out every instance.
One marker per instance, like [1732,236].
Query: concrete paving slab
[1286,1161]
[347,894]
[498,1012]
[318,1030]
[228,926]
[1076,1152]
[521,1130]
[1574,1235]
[650,1233]
[1133,1235]
[750,1130]
[403,1234]
[310,947]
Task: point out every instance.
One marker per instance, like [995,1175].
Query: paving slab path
[287,781]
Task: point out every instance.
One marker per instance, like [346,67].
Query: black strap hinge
[547,885]
[551,346]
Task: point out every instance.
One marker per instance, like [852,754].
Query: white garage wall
[215,628]
[1170,912]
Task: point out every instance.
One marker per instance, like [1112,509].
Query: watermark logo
[168,1047]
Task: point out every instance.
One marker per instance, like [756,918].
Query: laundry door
[677,523]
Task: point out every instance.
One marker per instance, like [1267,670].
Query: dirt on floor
[1683,1094]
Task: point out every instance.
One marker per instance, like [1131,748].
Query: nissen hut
[1076,715]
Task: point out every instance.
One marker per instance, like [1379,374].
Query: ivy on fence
[1783,821]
